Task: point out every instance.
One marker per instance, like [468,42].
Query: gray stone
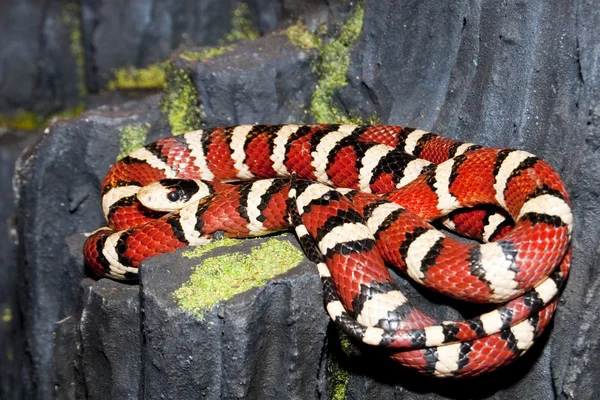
[40,68]
[264,343]
[145,32]
[267,80]
[272,14]
[58,183]
[109,330]
[11,345]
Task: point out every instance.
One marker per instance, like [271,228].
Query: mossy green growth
[220,278]
[332,67]
[28,120]
[71,16]
[7,315]
[132,137]
[300,37]
[205,54]
[337,373]
[337,379]
[241,25]
[22,119]
[130,78]
[180,101]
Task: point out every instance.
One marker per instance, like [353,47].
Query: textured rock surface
[51,54]
[106,348]
[280,359]
[39,65]
[11,354]
[58,183]
[144,32]
[268,80]
[523,74]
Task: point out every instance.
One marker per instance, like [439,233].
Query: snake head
[173,194]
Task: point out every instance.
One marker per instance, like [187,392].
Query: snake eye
[173,196]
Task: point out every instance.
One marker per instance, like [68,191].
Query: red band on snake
[401,179]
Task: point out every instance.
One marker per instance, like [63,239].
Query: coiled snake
[360,197]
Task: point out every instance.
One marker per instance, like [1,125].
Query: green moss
[72,18]
[337,381]
[70,113]
[338,375]
[22,119]
[300,37]
[241,25]
[128,78]
[7,315]
[220,278]
[132,137]
[180,101]
[205,54]
[28,120]
[332,67]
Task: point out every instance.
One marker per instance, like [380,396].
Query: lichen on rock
[72,18]
[132,78]
[242,26]
[180,101]
[332,68]
[222,277]
[132,137]
[301,37]
[206,53]
[29,120]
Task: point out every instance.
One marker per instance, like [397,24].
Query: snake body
[361,196]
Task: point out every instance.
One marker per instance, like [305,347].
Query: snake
[361,198]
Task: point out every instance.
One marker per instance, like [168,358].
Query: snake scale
[361,197]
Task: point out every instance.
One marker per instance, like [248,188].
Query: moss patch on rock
[339,353]
[7,315]
[242,26]
[300,37]
[334,62]
[205,54]
[71,16]
[131,78]
[22,119]
[29,120]
[180,101]
[332,65]
[220,278]
[132,137]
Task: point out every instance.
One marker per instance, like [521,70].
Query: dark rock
[267,80]
[11,347]
[41,56]
[270,14]
[97,344]
[279,359]
[58,184]
[146,32]
[110,340]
